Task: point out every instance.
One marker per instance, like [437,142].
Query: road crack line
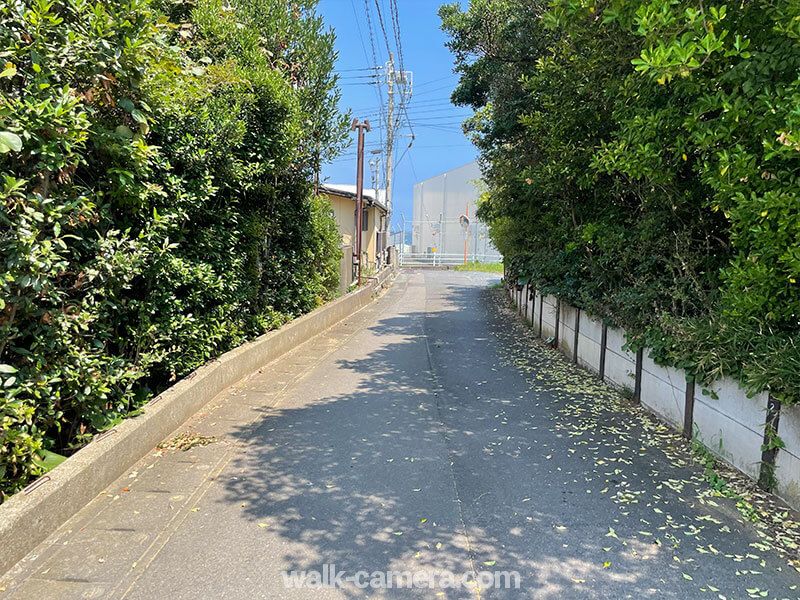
[438,391]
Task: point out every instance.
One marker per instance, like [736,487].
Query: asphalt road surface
[428,435]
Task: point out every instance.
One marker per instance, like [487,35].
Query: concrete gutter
[28,517]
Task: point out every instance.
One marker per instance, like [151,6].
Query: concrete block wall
[723,418]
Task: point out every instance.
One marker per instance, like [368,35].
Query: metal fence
[444,242]
[438,259]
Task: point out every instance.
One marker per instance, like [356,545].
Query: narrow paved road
[418,435]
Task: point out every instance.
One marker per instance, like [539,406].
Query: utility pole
[375,166]
[359,196]
[390,80]
[398,83]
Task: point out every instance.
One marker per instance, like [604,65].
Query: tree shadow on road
[393,474]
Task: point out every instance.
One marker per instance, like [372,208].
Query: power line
[437,120]
[430,111]
[383,27]
[395,14]
[347,77]
[399,160]
[438,80]
[435,90]
[355,70]
[423,103]
[374,61]
[413,170]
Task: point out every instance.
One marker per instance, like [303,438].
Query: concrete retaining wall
[620,364]
[28,517]
[549,316]
[724,419]
[788,461]
[730,424]
[531,301]
[591,336]
[566,329]
[663,391]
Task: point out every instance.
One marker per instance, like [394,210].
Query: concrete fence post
[637,386]
[533,306]
[558,318]
[525,296]
[603,345]
[688,411]
[541,312]
[769,450]
[577,335]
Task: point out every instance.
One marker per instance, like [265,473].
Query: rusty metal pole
[359,195]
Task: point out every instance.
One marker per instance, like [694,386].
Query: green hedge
[156,204]
[643,161]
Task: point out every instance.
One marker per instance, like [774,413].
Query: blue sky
[439,144]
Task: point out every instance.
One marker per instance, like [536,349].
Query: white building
[441,205]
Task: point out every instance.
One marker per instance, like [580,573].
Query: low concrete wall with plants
[752,433]
[32,514]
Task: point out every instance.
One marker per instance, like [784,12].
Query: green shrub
[156,200]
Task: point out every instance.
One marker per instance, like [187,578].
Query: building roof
[349,191]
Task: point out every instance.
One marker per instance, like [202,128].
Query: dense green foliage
[643,161]
[157,162]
